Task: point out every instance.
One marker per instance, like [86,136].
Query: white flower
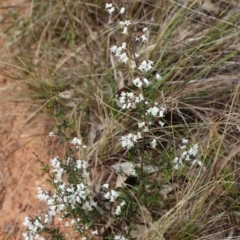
[177,166]
[133,64]
[129,105]
[184,154]
[94,233]
[143,37]
[107,195]
[62,186]
[184,141]
[137,100]
[80,164]
[197,162]
[145,66]
[137,39]
[128,141]
[158,77]
[33,225]
[122,97]
[42,195]
[137,82]
[76,141]
[153,111]
[108,5]
[67,224]
[87,206]
[146,81]
[51,134]
[141,124]
[183,147]
[187,158]
[125,30]
[27,222]
[130,95]
[132,172]
[175,160]
[58,176]
[55,162]
[145,29]
[193,150]
[139,135]
[124,45]
[46,220]
[238,128]
[113,49]
[106,185]
[118,210]
[92,203]
[161,112]
[153,143]
[118,52]
[125,23]
[124,57]
[161,123]
[141,97]
[111,10]
[122,10]
[114,195]
[146,129]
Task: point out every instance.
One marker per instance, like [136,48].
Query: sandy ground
[21,133]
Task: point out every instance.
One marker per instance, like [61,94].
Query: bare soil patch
[21,133]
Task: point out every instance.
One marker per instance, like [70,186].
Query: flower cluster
[68,194]
[140,81]
[156,110]
[146,66]
[72,194]
[187,155]
[112,195]
[110,8]
[130,139]
[132,100]
[129,99]
[119,208]
[34,226]
[78,143]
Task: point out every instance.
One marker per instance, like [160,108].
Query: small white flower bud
[111,10]
[125,30]
[109,5]
[124,45]
[122,10]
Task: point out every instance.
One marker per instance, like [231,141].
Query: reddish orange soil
[21,133]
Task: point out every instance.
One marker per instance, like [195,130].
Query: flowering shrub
[74,199]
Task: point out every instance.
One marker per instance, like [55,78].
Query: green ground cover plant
[145,95]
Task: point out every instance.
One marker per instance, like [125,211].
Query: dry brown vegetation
[62,47]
